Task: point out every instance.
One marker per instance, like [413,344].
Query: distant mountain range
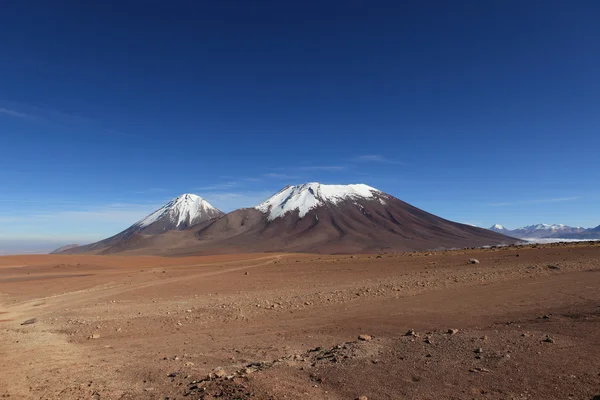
[548,231]
[311,217]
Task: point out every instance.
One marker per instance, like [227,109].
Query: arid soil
[523,323]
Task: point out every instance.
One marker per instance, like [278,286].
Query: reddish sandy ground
[285,326]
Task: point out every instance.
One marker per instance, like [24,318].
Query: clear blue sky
[481,112]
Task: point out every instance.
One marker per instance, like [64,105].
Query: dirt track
[286,326]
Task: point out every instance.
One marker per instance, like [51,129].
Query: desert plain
[514,322]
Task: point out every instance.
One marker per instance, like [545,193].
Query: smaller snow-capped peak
[312,195]
[185,209]
[499,227]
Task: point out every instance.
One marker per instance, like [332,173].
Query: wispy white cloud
[537,201]
[275,175]
[116,212]
[376,158]
[64,119]
[323,168]
[14,113]
[217,186]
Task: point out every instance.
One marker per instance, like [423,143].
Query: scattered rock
[473,261]
[94,336]
[478,350]
[452,331]
[365,338]
[428,340]
[30,321]
[551,266]
[411,333]
[218,372]
[246,273]
[362,398]
[548,339]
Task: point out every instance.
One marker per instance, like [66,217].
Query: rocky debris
[452,331]
[428,340]
[94,336]
[29,321]
[365,338]
[478,350]
[553,266]
[473,261]
[411,333]
[362,398]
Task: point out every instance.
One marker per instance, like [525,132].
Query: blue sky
[480,112]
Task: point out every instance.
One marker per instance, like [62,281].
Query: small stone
[94,336]
[219,372]
[428,341]
[452,331]
[473,261]
[555,267]
[478,350]
[246,273]
[362,398]
[188,310]
[365,338]
[30,321]
[248,371]
[189,364]
[548,339]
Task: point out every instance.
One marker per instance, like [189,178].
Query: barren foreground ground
[524,323]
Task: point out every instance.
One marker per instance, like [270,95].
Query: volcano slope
[179,214]
[524,323]
[319,218]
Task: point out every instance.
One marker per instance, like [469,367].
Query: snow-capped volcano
[180,213]
[498,228]
[306,197]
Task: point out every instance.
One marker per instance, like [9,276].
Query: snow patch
[312,195]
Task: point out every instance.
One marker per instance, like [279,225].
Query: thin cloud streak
[538,201]
[279,176]
[376,158]
[217,186]
[14,113]
[323,168]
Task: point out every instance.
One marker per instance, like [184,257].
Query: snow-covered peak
[183,210]
[312,195]
[545,227]
[498,227]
